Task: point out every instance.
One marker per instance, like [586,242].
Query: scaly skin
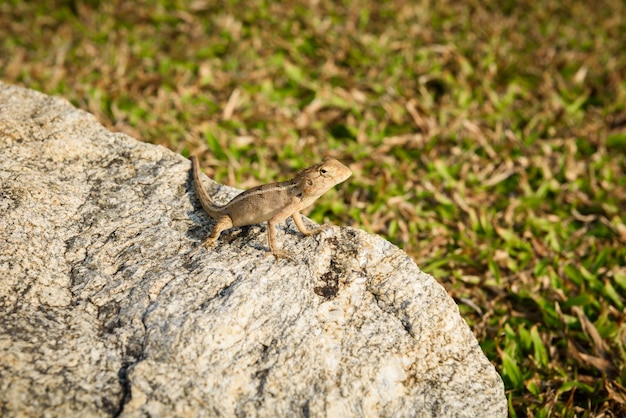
[273,202]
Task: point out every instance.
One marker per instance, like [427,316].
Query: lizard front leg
[290,209]
[297,218]
[273,242]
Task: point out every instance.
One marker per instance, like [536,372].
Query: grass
[487,140]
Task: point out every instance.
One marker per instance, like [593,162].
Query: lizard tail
[203,196]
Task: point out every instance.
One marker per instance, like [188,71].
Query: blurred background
[487,139]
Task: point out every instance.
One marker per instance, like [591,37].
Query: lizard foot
[317,230]
[278,254]
[206,244]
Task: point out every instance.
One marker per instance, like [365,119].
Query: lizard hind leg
[224,222]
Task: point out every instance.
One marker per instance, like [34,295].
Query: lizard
[273,202]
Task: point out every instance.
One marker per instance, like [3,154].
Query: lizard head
[318,179]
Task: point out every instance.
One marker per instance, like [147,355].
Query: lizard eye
[323,171]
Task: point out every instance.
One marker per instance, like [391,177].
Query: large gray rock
[103,313]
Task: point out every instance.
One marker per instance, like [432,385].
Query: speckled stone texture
[104,313]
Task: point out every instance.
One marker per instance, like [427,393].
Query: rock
[105,314]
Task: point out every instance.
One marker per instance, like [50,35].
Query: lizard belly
[253,216]
[254,209]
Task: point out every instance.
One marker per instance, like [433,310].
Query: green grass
[489,141]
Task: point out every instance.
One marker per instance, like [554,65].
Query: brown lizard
[273,202]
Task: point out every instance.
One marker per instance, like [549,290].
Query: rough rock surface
[103,313]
